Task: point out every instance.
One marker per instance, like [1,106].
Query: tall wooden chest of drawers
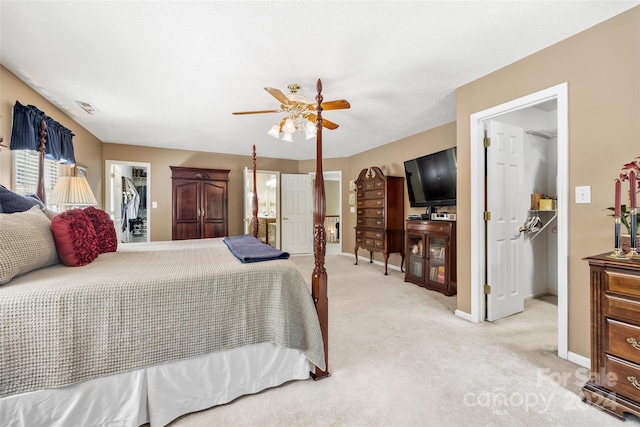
[615,336]
[380,214]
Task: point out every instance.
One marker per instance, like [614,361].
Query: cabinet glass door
[415,256]
[437,255]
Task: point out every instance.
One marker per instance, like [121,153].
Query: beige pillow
[26,243]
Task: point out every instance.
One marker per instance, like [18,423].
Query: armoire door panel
[186,201]
[214,204]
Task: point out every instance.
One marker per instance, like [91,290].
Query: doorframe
[478,255]
[108,189]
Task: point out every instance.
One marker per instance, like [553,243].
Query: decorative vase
[625,242]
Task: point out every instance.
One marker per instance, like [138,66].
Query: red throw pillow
[105,229]
[75,238]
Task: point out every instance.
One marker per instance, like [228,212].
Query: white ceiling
[169,74]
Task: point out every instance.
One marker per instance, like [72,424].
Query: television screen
[431,179]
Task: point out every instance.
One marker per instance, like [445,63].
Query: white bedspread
[146,304]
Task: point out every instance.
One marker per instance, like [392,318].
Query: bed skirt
[158,394]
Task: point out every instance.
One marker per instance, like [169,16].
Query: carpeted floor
[400,357]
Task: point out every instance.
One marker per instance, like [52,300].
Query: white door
[115,201]
[507,206]
[297,214]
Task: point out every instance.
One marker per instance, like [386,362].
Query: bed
[110,344]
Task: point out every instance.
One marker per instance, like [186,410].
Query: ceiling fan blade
[339,104]
[256,112]
[277,94]
[325,123]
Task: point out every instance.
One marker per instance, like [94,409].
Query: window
[25,172]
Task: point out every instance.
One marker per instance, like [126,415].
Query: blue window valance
[25,134]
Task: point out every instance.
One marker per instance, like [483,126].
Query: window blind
[25,172]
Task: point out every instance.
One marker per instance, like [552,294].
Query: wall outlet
[583,194]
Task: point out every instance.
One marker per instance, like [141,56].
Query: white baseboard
[464,315]
[585,362]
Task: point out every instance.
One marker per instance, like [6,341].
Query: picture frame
[80,170]
[352,198]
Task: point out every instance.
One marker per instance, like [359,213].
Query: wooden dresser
[200,207]
[615,336]
[379,214]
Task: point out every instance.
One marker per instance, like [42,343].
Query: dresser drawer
[622,377]
[371,185]
[371,203]
[431,227]
[620,307]
[369,243]
[372,234]
[623,340]
[370,222]
[622,283]
[370,213]
[373,194]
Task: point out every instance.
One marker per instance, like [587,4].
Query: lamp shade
[72,191]
[275,131]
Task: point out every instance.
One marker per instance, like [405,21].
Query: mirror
[268,188]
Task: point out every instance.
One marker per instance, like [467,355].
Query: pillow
[11,202]
[105,229]
[75,238]
[26,243]
[49,213]
[35,199]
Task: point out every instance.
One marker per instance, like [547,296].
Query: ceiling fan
[298,108]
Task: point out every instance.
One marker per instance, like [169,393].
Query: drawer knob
[634,382]
[635,344]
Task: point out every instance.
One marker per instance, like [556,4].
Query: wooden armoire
[200,203]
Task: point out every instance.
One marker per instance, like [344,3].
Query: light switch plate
[352,209]
[583,194]
[154,205]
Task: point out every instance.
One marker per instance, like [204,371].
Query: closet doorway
[127,192]
[554,97]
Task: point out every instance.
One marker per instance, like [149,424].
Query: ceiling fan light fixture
[310,131]
[287,137]
[289,127]
[275,131]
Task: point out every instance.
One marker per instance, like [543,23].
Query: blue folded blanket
[249,249]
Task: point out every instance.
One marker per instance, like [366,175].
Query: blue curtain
[26,131]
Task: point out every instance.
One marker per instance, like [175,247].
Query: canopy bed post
[254,199]
[40,189]
[319,277]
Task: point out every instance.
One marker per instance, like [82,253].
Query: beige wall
[161,159]
[88,148]
[390,159]
[602,68]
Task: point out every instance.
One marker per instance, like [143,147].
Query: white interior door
[297,214]
[505,201]
[115,200]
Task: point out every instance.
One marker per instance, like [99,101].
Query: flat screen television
[431,179]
